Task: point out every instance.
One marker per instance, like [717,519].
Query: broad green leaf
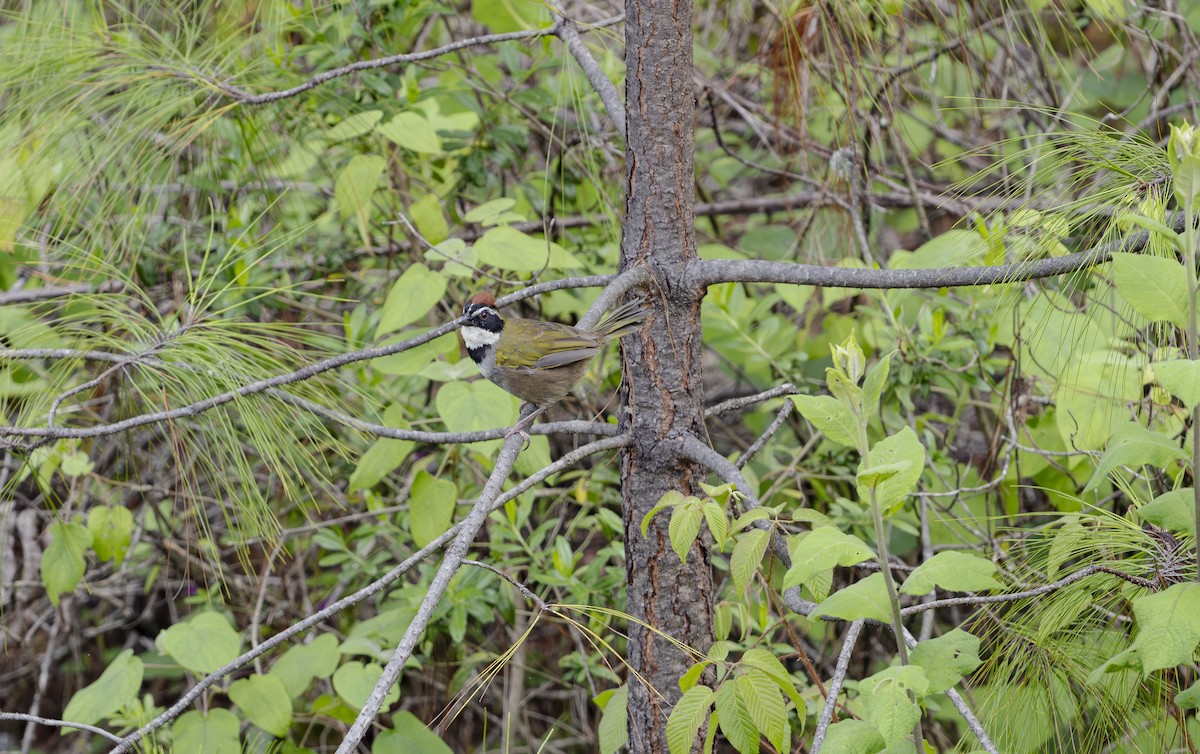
[1189,698]
[508,15]
[821,550]
[763,660]
[736,724]
[613,730]
[1135,445]
[954,571]
[853,737]
[384,456]
[427,216]
[866,598]
[1168,627]
[875,381]
[265,701]
[507,248]
[413,360]
[112,531]
[888,705]
[301,663]
[356,125]
[116,687]
[692,676]
[881,472]
[1156,287]
[718,524]
[409,736]
[892,491]
[411,297]
[413,132]
[669,499]
[947,659]
[76,464]
[214,733]
[62,562]
[685,720]
[203,644]
[1174,511]
[765,705]
[354,682]
[1127,659]
[432,507]
[1180,378]
[495,212]
[355,184]
[685,527]
[830,416]
[1092,393]
[468,406]
[456,257]
[746,557]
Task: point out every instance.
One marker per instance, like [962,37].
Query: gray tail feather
[621,321]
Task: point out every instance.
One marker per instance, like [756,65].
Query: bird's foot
[520,428]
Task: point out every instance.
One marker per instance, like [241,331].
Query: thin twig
[780,417]
[529,595]
[835,685]
[22,717]
[736,404]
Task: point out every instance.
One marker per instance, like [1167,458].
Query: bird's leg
[526,420]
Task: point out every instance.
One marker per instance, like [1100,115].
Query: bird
[537,361]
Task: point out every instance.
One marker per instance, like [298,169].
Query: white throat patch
[477,337]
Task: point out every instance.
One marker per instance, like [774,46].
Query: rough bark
[664,397]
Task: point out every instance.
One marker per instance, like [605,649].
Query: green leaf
[301,663]
[954,571]
[899,448]
[1134,445]
[495,212]
[265,701]
[613,730]
[427,216]
[354,682]
[853,737]
[384,455]
[692,676]
[874,383]
[432,507]
[1092,393]
[116,687]
[1180,378]
[830,416]
[1174,511]
[763,660]
[888,704]
[76,464]
[62,562]
[765,705]
[947,659]
[409,736]
[1168,627]
[746,557]
[685,720]
[736,724]
[881,472]
[718,523]
[508,15]
[685,527]
[1156,287]
[355,185]
[821,550]
[411,297]
[413,132]
[1189,698]
[507,248]
[112,531]
[1127,659]
[356,125]
[203,644]
[866,598]
[468,406]
[214,733]
[669,499]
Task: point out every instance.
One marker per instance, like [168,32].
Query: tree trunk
[664,396]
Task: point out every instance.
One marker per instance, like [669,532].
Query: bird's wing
[555,346]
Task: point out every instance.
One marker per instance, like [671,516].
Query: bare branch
[529,595]
[835,685]
[631,278]
[22,717]
[711,271]
[780,417]
[735,404]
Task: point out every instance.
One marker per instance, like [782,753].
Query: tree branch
[712,271]
[835,685]
[22,717]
